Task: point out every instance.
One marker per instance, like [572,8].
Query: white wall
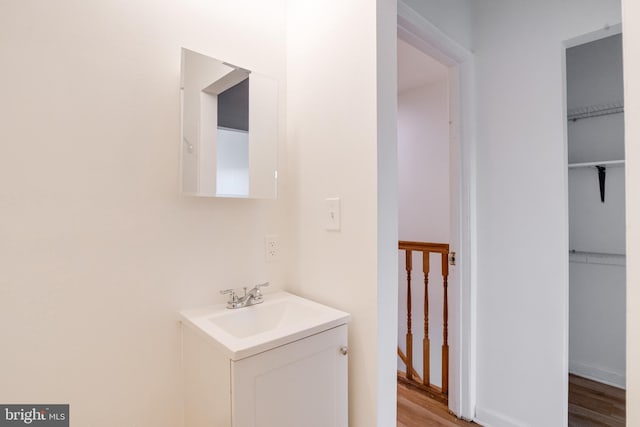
[597,322]
[423,184]
[337,91]
[631,47]
[423,163]
[99,252]
[387,207]
[597,290]
[232,162]
[522,205]
[595,226]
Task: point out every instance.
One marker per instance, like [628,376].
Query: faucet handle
[256,292]
[232,297]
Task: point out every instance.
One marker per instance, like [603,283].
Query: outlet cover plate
[271,248]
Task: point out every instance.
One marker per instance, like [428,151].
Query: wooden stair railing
[411,376]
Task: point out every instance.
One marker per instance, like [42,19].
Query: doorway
[596,200]
[424,219]
[421,35]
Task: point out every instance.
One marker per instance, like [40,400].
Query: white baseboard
[595,373]
[489,418]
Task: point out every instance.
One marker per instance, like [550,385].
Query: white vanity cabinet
[293,374]
[299,384]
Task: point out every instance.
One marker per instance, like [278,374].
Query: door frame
[426,37]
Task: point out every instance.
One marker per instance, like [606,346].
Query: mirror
[229,130]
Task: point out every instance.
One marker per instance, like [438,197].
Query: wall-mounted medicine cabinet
[229,130]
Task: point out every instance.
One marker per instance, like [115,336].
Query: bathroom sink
[282,318]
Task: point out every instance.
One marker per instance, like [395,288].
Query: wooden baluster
[445,326]
[408,266]
[426,347]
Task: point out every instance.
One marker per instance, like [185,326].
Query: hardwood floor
[595,404]
[591,404]
[417,410]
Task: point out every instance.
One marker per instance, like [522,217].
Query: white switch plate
[333,213]
[271,249]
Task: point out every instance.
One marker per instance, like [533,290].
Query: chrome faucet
[250,297]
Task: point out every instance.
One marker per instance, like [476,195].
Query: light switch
[333,214]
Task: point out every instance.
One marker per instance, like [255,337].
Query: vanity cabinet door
[299,384]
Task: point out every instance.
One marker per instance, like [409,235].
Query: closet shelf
[584,257]
[602,171]
[606,163]
[575,114]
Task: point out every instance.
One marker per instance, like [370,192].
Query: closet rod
[593,164]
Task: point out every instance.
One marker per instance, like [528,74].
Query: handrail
[442,248]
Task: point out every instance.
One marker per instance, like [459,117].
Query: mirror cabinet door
[229,119]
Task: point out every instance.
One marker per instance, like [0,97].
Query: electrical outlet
[271,249]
